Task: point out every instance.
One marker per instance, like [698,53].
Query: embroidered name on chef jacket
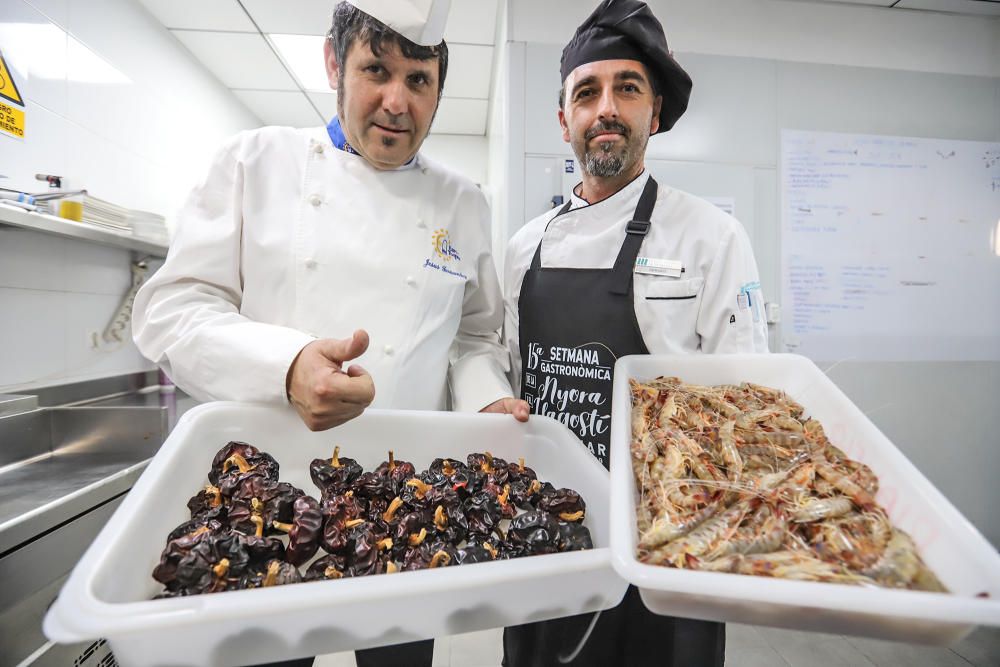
[659,267]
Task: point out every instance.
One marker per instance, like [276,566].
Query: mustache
[604,127]
[398,123]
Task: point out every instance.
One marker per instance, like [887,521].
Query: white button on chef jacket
[256,263]
[700,310]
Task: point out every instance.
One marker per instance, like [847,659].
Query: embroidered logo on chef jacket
[443,247]
[444,253]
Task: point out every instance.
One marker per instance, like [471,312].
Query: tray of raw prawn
[748,488]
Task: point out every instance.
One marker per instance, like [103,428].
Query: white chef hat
[420,21]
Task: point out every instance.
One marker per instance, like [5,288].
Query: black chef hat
[627,30]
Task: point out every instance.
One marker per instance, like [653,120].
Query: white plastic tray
[109,592]
[961,557]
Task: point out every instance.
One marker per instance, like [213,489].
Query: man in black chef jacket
[627,266]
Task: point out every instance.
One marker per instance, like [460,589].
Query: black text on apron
[573,326]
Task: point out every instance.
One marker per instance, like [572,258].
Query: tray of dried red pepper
[250,539]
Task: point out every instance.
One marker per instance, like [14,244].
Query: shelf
[50,224]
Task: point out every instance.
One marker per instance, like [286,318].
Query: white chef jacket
[714,306]
[289,239]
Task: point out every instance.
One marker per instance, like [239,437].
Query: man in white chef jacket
[303,251]
[627,266]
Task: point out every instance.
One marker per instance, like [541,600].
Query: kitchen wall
[795,31]
[498,129]
[763,65]
[465,154]
[116,105]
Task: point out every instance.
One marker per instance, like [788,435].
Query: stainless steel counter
[64,468]
[57,462]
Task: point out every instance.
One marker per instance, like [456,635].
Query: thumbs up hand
[324,393]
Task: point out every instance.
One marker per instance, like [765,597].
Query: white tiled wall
[464,154]
[54,295]
[117,106]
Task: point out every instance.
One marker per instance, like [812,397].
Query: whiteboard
[889,247]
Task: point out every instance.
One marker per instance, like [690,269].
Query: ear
[564,126]
[330,58]
[654,125]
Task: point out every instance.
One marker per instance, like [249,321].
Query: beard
[607,159]
[606,162]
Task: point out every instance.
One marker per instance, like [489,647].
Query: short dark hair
[351,24]
[653,84]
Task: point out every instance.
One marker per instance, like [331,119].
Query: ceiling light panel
[239,60]
[200,15]
[303,54]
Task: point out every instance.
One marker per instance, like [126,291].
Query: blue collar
[336,133]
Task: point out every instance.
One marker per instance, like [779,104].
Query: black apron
[574,324]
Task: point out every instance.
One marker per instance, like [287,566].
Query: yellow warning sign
[11,117]
[11,120]
[8,89]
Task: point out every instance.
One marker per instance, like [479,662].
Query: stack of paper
[150,226]
[102,213]
[80,206]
